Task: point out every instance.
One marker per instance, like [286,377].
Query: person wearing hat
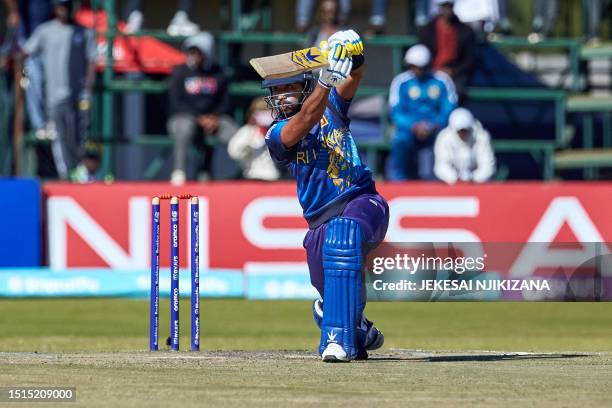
[463,150]
[248,145]
[89,170]
[199,103]
[420,101]
[452,44]
[68,52]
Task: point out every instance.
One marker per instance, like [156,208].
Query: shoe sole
[333,359]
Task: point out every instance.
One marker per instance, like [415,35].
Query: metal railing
[111,85]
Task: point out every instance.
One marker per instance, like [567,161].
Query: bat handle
[324,46]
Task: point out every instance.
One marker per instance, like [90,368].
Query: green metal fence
[542,150]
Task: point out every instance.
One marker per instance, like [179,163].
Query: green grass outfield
[258,353]
[72,325]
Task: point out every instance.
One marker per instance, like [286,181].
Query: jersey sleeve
[91,46]
[279,153]
[340,104]
[34,44]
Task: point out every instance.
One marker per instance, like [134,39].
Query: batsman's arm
[309,115]
[348,89]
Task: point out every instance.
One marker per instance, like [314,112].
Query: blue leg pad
[342,267]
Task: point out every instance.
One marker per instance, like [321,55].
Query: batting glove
[340,65]
[353,42]
[345,38]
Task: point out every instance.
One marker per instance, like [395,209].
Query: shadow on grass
[479,357]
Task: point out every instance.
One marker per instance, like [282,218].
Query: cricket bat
[291,63]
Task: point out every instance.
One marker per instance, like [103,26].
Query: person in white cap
[420,101]
[463,150]
[199,103]
[179,25]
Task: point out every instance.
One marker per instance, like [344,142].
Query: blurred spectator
[452,44]
[378,16]
[594,19]
[422,11]
[463,150]
[304,8]
[481,15]
[179,25]
[198,103]
[248,146]
[329,18]
[420,101]
[7,39]
[12,15]
[89,169]
[68,53]
[504,25]
[545,15]
[252,14]
[24,18]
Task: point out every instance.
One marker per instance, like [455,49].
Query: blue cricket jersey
[430,98]
[326,164]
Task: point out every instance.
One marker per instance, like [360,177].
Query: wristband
[358,60]
[324,85]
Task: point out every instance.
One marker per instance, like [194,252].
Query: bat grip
[324,46]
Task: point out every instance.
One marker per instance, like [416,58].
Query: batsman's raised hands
[339,68]
[350,39]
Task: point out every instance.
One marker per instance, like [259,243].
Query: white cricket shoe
[373,338]
[181,25]
[334,353]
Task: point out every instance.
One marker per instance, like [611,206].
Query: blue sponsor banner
[38,282]
[20,223]
[278,285]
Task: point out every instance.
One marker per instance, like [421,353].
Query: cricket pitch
[262,354]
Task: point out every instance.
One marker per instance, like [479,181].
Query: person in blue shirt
[420,102]
[346,216]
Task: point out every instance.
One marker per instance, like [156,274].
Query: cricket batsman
[346,216]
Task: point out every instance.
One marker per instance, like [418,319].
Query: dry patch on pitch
[254,378]
[172,358]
